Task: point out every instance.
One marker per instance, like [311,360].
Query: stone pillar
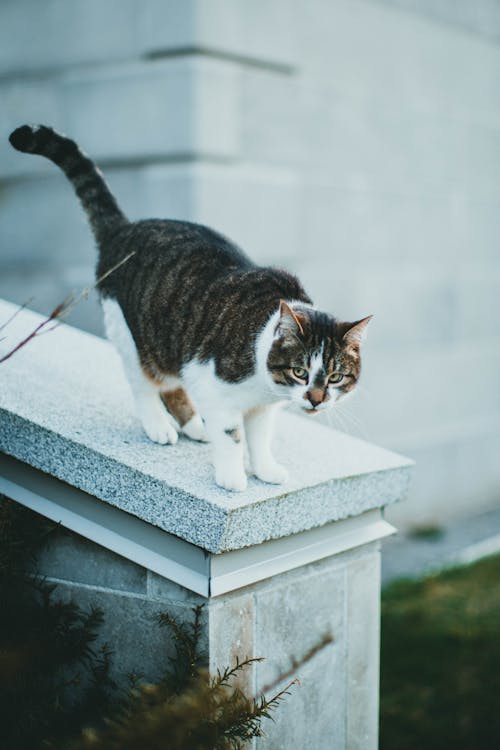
[280,618]
[279,569]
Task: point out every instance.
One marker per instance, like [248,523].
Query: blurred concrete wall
[356,142]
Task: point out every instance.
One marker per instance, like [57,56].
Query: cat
[210,342]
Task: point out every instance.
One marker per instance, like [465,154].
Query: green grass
[440,661]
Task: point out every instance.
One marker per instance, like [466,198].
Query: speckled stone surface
[65,408]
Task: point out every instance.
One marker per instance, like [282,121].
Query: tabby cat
[190,313]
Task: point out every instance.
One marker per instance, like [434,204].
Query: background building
[355,142]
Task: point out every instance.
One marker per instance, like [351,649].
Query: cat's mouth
[310,410]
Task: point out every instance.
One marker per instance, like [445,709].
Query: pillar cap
[66,409]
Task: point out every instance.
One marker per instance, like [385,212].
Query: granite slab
[66,409]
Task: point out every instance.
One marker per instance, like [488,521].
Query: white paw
[231,478]
[159,427]
[195,429]
[271,472]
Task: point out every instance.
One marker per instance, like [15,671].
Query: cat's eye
[300,373]
[335,377]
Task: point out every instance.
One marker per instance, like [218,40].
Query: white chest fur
[209,391]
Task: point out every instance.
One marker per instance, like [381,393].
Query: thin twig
[73,302]
[60,312]
[9,320]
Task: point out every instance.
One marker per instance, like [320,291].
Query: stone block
[265,32]
[362,648]
[98,109]
[409,307]
[32,101]
[255,33]
[70,557]
[402,382]
[363,41]
[131,629]
[476,222]
[394,296]
[256,207]
[276,101]
[347,228]
[32,37]
[162,589]
[478,291]
[65,248]
[293,618]
[363,144]
[480,18]
[48,287]
[458,476]
[128,29]
[63,235]
[433,495]
[101,110]
[313,715]
[293,614]
[231,632]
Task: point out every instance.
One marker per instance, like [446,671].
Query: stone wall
[355,142]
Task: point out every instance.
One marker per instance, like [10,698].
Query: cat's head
[313,359]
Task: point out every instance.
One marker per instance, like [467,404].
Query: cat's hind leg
[182,409]
[156,421]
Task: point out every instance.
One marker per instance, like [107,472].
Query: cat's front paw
[271,472]
[195,429]
[231,478]
[159,428]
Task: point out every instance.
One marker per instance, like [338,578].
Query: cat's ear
[290,321]
[355,333]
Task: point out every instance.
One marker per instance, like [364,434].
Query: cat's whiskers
[336,420]
[356,422]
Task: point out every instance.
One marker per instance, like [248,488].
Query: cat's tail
[90,186]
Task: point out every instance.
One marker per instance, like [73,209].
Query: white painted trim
[237,568]
[205,573]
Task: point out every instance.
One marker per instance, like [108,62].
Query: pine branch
[223,678]
[186,664]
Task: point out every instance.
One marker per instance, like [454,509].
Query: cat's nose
[315,396]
